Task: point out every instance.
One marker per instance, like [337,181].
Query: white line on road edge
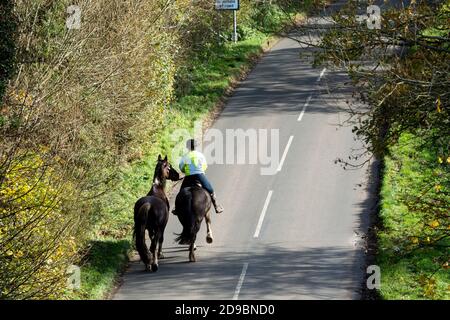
[263,214]
[241,281]
[285,153]
[304,108]
[321,74]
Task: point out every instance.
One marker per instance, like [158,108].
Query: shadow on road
[273,272]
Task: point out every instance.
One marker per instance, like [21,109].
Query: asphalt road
[292,235]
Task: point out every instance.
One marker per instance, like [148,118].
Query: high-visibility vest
[193,162]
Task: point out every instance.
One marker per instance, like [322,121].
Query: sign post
[230,5]
[235,27]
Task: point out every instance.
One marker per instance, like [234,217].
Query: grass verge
[105,260]
[413,243]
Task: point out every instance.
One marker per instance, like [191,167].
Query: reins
[176,183]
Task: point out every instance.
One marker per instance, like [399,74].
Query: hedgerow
[79,106]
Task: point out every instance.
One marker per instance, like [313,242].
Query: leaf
[434,224]
[438,104]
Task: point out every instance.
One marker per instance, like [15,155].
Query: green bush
[413,243]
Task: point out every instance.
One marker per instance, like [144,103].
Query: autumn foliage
[76,106]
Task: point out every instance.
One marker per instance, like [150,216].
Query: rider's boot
[217,207]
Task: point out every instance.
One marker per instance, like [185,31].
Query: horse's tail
[191,226]
[140,222]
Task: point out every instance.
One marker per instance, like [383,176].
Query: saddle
[191,181]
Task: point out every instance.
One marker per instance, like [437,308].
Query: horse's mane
[158,174]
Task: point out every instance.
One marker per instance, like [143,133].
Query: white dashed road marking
[263,213]
[240,282]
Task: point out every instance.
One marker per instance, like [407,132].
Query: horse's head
[164,170]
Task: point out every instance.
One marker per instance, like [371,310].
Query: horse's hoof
[154,267]
[209,239]
[192,258]
[148,268]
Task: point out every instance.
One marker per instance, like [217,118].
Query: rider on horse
[193,165]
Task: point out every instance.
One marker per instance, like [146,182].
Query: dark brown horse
[152,213]
[193,203]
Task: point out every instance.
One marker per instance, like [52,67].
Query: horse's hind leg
[209,236]
[154,254]
[192,252]
[160,243]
